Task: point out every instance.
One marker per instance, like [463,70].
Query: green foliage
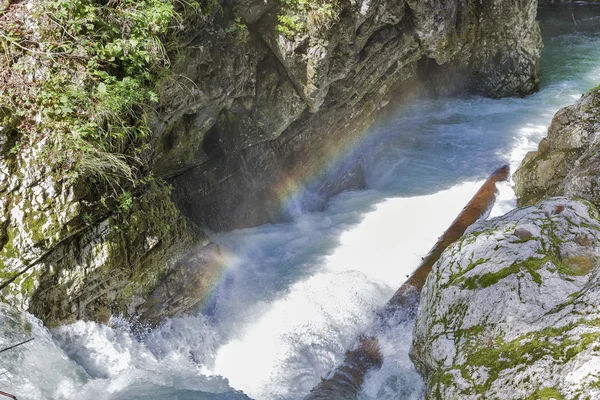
[547,394]
[16,148]
[125,201]
[239,29]
[82,78]
[306,16]
[557,345]
[290,26]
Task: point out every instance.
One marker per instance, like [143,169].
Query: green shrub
[81,76]
[306,16]
[239,29]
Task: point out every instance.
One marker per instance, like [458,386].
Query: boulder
[567,162]
[510,310]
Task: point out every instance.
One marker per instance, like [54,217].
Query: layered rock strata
[567,161]
[262,98]
[64,259]
[256,122]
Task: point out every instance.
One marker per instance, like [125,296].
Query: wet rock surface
[249,126]
[63,258]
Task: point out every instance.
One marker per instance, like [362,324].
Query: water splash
[295,296]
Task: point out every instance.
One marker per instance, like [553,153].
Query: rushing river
[295,296]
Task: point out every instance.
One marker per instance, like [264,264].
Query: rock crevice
[280,108]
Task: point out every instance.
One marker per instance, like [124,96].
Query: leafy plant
[81,76]
[239,29]
[125,201]
[306,16]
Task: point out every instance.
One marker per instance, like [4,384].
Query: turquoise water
[297,295]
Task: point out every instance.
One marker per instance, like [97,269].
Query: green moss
[445,378]
[483,347]
[152,215]
[526,239]
[299,17]
[239,30]
[459,276]
[578,265]
[531,266]
[470,23]
[557,343]
[546,394]
[25,284]
[91,100]
[593,212]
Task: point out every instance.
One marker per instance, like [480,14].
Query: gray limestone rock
[247,119]
[249,123]
[509,315]
[567,161]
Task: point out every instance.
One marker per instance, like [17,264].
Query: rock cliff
[85,230]
[567,161]
[259,99]
[64,258]
[258,118]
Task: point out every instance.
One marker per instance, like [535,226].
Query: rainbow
[304,179]
[291,189]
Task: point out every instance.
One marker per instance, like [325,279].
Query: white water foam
[297,295]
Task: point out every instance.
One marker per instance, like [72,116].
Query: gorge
[281,299]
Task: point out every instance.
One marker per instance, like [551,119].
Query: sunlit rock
[567,162]
[510,310]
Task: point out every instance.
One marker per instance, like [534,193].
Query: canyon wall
[261,101]
[256,123]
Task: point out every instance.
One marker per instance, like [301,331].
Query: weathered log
[347,379]
[7,395]
[479,206]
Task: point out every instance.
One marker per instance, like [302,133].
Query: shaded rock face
[64,256]
[63,259]
[252,119]
[510,310]
[551,2]
[185,286]
[75,245]
[567,162]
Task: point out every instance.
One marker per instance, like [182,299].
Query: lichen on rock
[510,310]
[567,162]
[86,230]
[62,267]
[218,101]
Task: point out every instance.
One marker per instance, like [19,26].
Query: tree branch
[15,345]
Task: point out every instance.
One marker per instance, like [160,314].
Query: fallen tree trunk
[7,395]
[347,379]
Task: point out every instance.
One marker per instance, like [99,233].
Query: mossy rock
[567,162]
[512,316]
[106,266]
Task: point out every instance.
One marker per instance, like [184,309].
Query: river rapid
[295,296]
